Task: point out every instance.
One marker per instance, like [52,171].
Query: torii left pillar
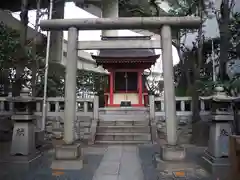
[69,151]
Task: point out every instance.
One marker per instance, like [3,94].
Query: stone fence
[87,111]
[183,108]
[55,115]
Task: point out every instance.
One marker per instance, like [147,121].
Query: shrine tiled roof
[134,53]
[125,53]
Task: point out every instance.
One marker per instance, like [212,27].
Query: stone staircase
[123,126]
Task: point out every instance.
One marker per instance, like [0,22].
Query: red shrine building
[126,67]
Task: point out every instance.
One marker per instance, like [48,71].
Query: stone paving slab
[113,153]
[146,153]
[130,165]
[120,162]
[108,168]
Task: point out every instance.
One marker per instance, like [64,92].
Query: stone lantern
[23,139]
[216,155]
[236,124]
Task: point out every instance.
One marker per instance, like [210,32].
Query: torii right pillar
[171,151]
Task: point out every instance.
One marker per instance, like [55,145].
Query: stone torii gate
[162,23]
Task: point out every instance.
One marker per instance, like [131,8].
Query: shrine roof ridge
[126,57]
[125,38]
[125,53]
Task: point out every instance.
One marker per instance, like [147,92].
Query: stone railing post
[85,106]
[95,107]
[152,107]
[182,105]
[152,118]
[202,105]
[162,105]
[10,103]
[2,108]
[39,118]
[94,120]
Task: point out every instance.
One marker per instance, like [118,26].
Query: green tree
[22,51]
[195,67]
[34,58]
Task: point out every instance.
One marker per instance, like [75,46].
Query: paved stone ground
[116,162]
[164,170]
[146,154]
[91,162]
[120,162]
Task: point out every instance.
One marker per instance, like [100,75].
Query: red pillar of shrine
[111,88]
[140,89]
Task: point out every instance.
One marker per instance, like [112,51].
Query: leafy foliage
[9,59]
[183,71]
[140,8]
[9,44]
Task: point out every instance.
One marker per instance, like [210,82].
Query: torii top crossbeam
[188,22]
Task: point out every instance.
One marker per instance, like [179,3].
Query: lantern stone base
[172,153]
[23,138]
[218,167]
[68,157]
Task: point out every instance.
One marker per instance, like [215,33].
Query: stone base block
[76,164]
[172,153]
[68,157]
[67,152]
[218,167]
[39,138]
[23,163]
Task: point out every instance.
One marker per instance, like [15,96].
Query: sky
[73,12]
[210,26]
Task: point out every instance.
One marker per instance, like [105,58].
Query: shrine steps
[123,126]
[123,132]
